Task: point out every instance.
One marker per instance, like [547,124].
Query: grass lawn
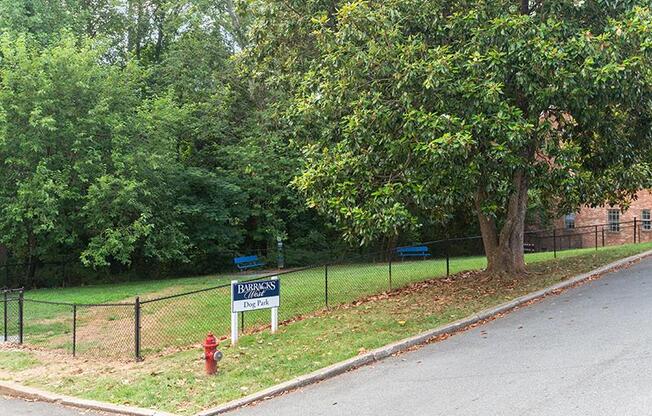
[182,321]
[128,291]
[174,381]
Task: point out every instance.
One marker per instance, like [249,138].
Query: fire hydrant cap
[210,341]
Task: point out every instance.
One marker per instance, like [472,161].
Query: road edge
[416,340]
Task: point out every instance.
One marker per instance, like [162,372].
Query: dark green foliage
[132,146]
[146,137]
[408,109]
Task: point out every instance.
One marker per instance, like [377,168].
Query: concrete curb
[16,390]
[405,344]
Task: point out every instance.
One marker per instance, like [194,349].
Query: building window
[569,221]
[613,218]
[647,221]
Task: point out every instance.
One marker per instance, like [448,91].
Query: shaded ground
[586,352]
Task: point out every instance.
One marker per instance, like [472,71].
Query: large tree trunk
[504,249]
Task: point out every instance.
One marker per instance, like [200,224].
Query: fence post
[74,330]
[242,324]
[20,317]
[7,275]
[137,329]
[5,315]
[326,284]
[596,237]
[554,242]
[602,236]
[390,271]
[634,230]
[448,259]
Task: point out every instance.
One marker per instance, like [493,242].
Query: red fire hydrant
[211,354]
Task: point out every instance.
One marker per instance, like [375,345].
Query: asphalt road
[16,407]
[587,352]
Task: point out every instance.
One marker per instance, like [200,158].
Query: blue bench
[248,262]
[414,251]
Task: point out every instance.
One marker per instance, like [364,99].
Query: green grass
[175,381]
[404,271]
[17,360]
[128,291]
[182,321]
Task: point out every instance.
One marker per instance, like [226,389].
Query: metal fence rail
[146,326]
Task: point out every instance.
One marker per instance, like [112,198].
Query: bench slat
[245,259]
[247,262]
[413,249]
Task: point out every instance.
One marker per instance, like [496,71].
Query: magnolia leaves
[407,108]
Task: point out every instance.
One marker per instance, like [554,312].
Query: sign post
[275,313]
[234,317]
[251,296]
[279,252]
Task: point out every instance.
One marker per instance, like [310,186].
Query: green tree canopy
[134,162]
[91,164]
[408,108]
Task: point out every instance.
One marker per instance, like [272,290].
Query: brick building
[608,225]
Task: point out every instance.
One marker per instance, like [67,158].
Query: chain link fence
[147,326]
[79,328]
[12,315]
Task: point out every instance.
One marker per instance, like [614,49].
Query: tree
[91,166]
[130,139]
[407,109]
[60,110]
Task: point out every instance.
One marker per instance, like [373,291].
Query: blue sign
[249,296]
